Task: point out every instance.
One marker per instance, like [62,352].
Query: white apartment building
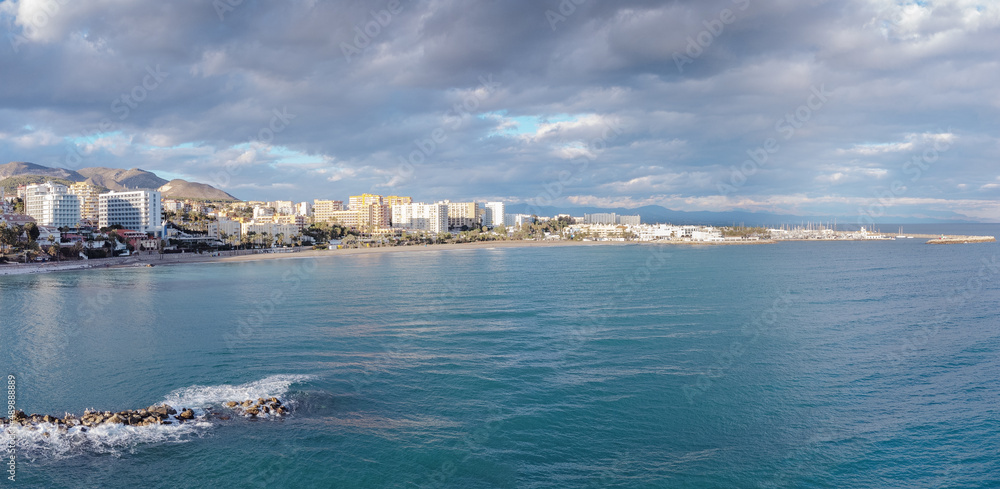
[304,209]
[515,220]
[432,218]
[283,207]
[495,214]
[51,204]
[287,231]
[263,214]
[225,226]
[137,210]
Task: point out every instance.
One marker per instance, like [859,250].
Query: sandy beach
[156,259]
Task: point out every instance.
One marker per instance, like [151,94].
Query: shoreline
[155,259]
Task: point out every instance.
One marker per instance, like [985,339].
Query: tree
[32,230]
[8,235]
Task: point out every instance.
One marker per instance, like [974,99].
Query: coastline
[156,259]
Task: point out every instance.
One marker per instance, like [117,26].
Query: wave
[51,440]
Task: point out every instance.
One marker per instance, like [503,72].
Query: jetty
[153,415]
[962,240]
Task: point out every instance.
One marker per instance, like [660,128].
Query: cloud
[597,102]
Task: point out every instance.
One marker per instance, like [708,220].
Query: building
[51,204]
[271,230]
[139,210]
[358,201]
[629,220]
[462,215]
[89,196]
[283,207]
[263,214]
[611,218]
[494,215]
[392,200]
[601,218]
[432,218]
[225,230]
[296,220]
[372,212]
[516,220]
[323,209]
[304,209]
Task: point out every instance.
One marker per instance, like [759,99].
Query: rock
[224,418]
[253,411]
[171,411]
[186,414]
[48,419]
[231,404]
[116,419]
[19,415]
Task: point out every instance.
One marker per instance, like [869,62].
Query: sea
[797,364]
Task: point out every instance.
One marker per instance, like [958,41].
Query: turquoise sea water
[790,365]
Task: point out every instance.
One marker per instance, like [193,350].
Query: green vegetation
[744,231]
[10,184]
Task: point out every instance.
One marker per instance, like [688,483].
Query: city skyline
[808,110]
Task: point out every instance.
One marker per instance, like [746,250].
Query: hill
[118,179]
[16,168]
[22,173]
[10,184]
[183,189]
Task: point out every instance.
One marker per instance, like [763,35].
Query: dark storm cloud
[572,101]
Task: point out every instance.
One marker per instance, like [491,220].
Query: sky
[804,107]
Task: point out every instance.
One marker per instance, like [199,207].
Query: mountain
[182,189]
[16,168]
[118,179]
[22,173]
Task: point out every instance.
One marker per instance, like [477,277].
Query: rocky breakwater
[150,416]
[260,408]
[962,239]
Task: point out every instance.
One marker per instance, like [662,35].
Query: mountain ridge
[118,179]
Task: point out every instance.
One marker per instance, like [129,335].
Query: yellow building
[89,199]
[392,200]
[323,209]
[463,214]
